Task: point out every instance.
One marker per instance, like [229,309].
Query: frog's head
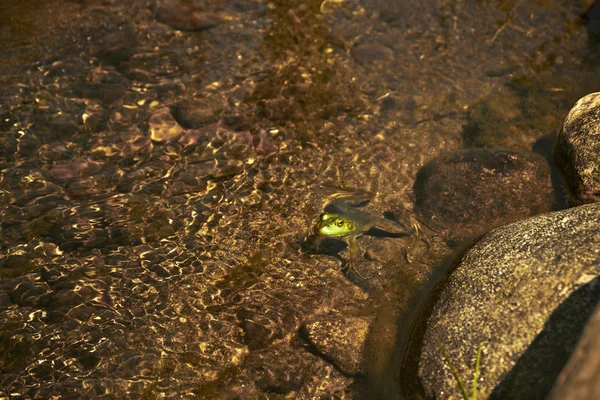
[334,225]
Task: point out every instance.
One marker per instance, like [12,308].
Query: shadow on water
[544,146]
[398,379]
[536,371]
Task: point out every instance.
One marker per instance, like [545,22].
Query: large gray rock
[524,291]
[580,379]
[577,151]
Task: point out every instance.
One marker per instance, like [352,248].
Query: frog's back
[346,203]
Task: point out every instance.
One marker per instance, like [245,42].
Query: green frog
[343,220]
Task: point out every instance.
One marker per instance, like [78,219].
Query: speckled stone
[340,339]
[524,291]
[580,379]
[577,151]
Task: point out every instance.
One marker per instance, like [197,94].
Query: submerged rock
[185,18]
[494,123]
[163,127]
[195,113]
[340,339]
[279,368]
[372,52]
[524,291]
[76,168]
[467,192]
[577,150]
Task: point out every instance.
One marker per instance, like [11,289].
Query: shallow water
[159,268]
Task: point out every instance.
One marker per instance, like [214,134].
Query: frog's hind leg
[350,265]
[353,250]
[418,231]
[349,196]
[352,247]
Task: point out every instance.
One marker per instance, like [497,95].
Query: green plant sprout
[461,386]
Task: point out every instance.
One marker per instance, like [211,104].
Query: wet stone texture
[577,150]
[340,339]
[467,192]
[271,372]
[524,291]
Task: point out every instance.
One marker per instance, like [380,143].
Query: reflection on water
[160,171]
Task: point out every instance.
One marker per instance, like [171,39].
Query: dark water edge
[410,385]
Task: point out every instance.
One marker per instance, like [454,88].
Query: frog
[343,220]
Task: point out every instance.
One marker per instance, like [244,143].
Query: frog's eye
[339,223]
[325,216]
